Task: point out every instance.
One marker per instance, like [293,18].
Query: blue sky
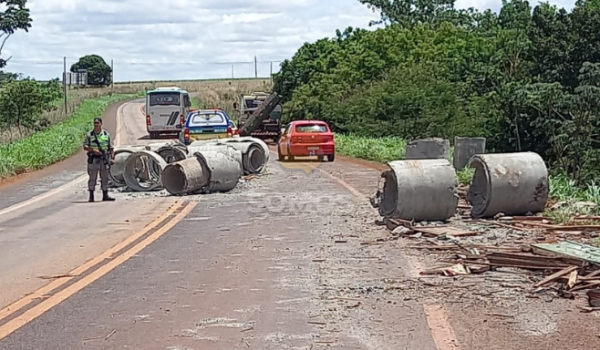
[182,39]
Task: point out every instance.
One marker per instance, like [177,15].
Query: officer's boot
[91,199]
[106,197]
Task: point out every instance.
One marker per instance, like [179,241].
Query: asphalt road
[289,260]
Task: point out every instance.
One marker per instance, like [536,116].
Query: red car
[306,138]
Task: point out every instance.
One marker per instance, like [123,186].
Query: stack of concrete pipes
[424,186]
[202,167]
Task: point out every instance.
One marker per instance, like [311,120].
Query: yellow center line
[62,295]
[40,293]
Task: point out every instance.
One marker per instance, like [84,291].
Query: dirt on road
[287,260]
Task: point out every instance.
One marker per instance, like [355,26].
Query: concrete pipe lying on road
[217,147]
[253,156]
[508,183]
[173,152]
[434,148]
[184,177]
[116,170]
[154,165]
[224,170]
[465,148]
[260,142]
[419,190]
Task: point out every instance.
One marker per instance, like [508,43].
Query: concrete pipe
[434,148]
[260,142]
[184,177]
[115,174]
[253,158]
[224,171]
[419,190]
[465,148]
[132,177]
[218,147]
[173,153]
[509,183]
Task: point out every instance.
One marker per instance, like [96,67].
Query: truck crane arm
[261,113]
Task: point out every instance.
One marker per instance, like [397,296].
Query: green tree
[23,102]
[98,72]
[14,16]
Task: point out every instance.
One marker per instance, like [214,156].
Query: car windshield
[206,119]
[308,128]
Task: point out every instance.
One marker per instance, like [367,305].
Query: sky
[183,39]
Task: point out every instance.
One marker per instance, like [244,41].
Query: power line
[133,63]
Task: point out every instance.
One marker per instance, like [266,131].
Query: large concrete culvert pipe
[115,174]
[217,147]
[184,177]
[256,140]
[224,170]
[419,190]
[134,175]
[508,183]
[173,153]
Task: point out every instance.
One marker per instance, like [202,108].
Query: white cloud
[181,39]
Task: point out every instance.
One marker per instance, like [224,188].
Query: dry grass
[217,93]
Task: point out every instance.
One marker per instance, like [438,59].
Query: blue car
[206,124]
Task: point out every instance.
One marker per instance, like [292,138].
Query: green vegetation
[562,188]
[527,79]
[99,73]
[55,143]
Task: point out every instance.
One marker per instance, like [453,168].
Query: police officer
[101,155]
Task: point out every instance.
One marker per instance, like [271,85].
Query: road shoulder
[26,186]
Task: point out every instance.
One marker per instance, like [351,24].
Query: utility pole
[255,67]
[112,76]
[232,72]
[271,71]
[65,83]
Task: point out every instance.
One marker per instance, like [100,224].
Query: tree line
[24,101]
[526,78]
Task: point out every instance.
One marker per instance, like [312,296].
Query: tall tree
[98,72]
[15,16]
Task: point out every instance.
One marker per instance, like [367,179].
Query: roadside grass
[574,200]
[211,93]
[56,143]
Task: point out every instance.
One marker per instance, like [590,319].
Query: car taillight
[295,139]
[186,134]
[181,119]
[148,122]
[229,131]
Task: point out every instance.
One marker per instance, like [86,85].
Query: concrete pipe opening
[172,154]
[116,170]
[143,171]
[184,177]
[508,183]
[256,159]
[419,190]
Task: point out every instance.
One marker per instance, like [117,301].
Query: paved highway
[289,260]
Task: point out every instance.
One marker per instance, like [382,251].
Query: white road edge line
[70,183]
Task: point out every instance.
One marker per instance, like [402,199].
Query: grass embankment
[392,148]
[57,142]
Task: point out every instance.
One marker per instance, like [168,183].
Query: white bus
[166,110]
